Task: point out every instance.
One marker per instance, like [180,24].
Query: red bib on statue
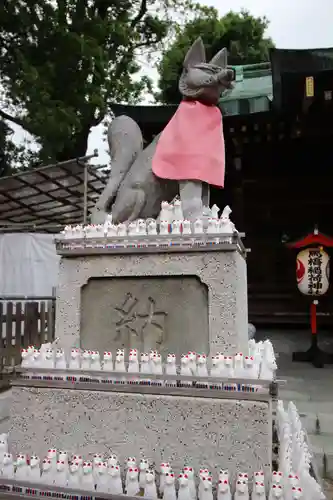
[191,146]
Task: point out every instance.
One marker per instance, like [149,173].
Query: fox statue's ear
[196,54]
[220,59]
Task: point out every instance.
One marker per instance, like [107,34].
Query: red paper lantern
[312,271]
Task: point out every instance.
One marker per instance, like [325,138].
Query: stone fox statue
[184,159]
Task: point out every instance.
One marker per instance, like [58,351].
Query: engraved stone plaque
[169,314]
[192,300]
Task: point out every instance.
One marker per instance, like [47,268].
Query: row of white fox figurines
[106,476]
[260,364]
[294,454]
[171,222]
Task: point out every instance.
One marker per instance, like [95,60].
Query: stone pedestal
[168,299]
[204,431]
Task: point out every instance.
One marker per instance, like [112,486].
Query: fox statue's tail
[125,142]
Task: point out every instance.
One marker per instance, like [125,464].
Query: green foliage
[242,34]
[14,157]
[5,147]
[63,63]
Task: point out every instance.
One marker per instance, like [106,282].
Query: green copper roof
[252,92]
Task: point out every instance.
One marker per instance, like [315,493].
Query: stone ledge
[148,389]
[151,244]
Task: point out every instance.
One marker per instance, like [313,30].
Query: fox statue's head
[202,81]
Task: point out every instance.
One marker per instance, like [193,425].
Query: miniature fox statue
[184,159]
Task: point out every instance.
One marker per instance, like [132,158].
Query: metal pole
[85,194]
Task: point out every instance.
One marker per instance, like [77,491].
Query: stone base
[172,302]
[211,432]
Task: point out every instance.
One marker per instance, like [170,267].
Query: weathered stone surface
[222,273]
[145,313]
[213,432]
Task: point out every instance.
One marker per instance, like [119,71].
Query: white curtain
[28,264]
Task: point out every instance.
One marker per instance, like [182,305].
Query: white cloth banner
[28,264]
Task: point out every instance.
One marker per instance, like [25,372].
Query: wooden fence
[24,321]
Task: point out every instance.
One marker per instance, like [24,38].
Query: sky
[294,24]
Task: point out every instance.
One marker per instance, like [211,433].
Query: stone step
[5,398]
[309,421]
[323,444]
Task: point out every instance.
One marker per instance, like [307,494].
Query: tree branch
[80,10]
[13,119]
[102,8]
[148,43]
[62,11]
[142,11]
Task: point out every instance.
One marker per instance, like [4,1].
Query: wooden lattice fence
[22,323]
